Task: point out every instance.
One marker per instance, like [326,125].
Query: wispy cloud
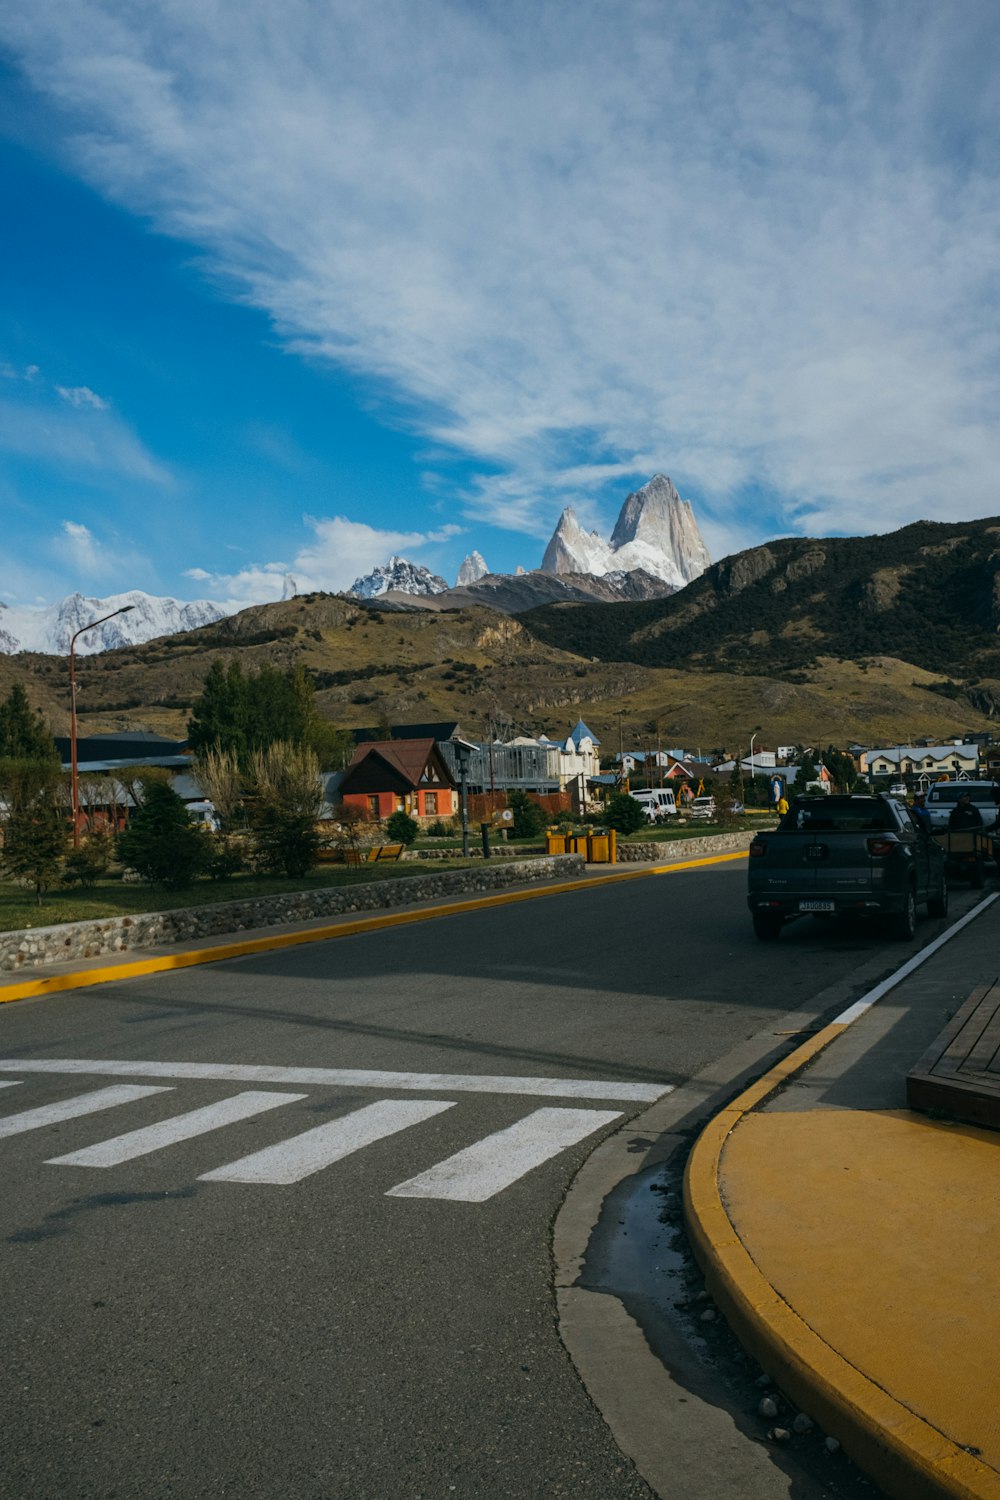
[340,551]
[752,245]
[76,432]
[82,395]
[95,558]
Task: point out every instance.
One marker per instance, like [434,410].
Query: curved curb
[905,1455]
[219,952]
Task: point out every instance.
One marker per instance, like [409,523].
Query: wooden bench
[960,1073]
[379,854]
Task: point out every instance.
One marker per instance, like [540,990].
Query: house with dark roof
[387,776]
[107,752]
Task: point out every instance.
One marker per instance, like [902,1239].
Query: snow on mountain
[473,568]
[398,577]
[656,532]
[656,520]
[573,550]
[49,629]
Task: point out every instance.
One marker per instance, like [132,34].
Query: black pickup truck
[831,856]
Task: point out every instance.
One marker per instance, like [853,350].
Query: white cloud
[754,245]
[96,558]
[341,551]
[82,395]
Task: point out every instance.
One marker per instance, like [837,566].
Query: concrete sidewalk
[854,1245]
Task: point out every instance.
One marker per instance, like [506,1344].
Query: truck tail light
[758,848]
[880,847]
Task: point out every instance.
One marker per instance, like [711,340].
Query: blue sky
[289,288]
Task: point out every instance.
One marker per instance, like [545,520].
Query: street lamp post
[752,738]
[75,788]
[463,754]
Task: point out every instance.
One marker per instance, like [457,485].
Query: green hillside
[928,594]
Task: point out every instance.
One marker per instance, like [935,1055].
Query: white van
[658,803]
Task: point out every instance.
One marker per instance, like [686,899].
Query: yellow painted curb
[905,1455]
[188,958]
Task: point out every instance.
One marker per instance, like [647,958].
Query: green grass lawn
[110,898]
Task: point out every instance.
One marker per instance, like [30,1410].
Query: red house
[387,776]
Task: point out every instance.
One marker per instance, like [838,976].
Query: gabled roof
[410,763]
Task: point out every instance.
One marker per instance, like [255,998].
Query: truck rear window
[956,789]
[838,816]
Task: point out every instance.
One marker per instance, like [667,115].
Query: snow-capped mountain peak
[573,550]
[400,577]
[655,520]
[51,628]
[473,568]
[656,532]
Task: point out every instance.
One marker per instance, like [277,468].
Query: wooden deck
[960,1073]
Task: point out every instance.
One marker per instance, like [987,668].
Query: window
[373,805]
[400,803]
[430,802]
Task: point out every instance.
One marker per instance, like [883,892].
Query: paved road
[280,1227]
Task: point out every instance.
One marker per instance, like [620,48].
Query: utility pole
[74,782]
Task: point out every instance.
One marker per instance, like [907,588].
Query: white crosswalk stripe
[179,1128]
[71,1109]
[9,1083]
[611,1089]
[472,1175]
[304,1154]
[492,1164]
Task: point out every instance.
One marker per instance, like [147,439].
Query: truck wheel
[937,906]
[904,924]
[766,929]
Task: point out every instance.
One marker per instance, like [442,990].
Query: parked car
[658,803]
[836,855]
[702,807]
[942,797]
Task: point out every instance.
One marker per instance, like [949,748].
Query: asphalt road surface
[281,1227]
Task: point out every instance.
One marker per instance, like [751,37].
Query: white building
[930,761]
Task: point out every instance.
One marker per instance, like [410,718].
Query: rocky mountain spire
[656,532]
[655,522]
[573,550]
[473,568]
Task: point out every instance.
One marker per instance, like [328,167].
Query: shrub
[224,857]
[402,829]
[441,830]
[286,797]
[160,841]
[624,813]
[529,819]
[86,864]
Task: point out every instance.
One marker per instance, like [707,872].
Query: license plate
[816,906]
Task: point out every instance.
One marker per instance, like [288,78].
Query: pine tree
[35,838]
[24,735]
[160,841]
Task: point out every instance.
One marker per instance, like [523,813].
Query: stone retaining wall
[497,851]
[710,843]
[33,947]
